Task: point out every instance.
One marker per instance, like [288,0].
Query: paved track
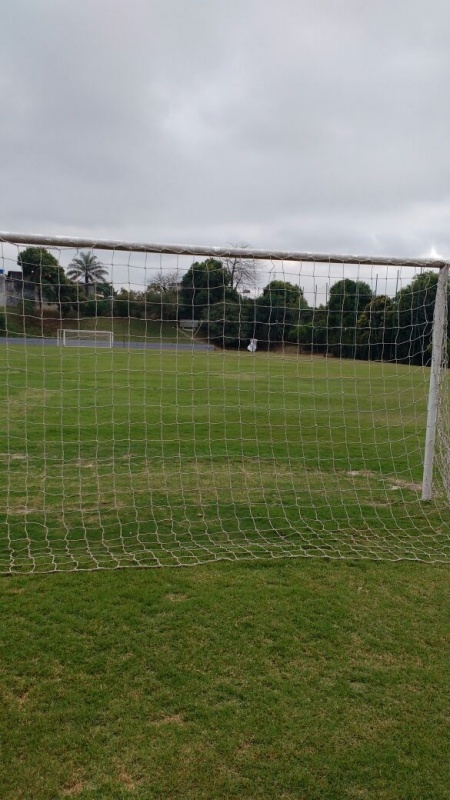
[52,342]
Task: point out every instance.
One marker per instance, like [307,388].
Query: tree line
[353,323]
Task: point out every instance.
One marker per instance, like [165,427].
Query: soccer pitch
[124,458]
[301,679]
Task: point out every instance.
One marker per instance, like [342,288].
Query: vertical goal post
[307,415]
[439,365]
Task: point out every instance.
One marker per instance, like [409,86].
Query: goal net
[211,403]
[66,337]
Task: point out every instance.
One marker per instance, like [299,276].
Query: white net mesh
[247,408]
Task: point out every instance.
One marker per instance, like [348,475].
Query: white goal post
[308,416]
[68,337]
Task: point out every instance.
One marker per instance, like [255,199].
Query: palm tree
[88,268]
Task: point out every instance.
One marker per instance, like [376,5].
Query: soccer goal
[307,414]
[66,337]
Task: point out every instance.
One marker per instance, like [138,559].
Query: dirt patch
[73,789]
[125,778]
[364,473]
[176,598]
[400,484]
[173,719]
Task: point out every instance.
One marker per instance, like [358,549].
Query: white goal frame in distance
[84,338]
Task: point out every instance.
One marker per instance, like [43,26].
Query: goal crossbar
[79,243]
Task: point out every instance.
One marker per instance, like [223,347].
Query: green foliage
[38,265]
[229,324]
[129,303]
[279,310]
[3,323]
[160,304]
[42,268]
[357,324]
[203,285]
[414,310]
[284,294]
[122,307]
[311,333]
[95,308]
[29,308]
[62,292]
[346,301]
[376,332]
[87,268]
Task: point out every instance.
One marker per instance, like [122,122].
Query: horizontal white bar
[217,252]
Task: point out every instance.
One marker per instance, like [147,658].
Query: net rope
[214,408]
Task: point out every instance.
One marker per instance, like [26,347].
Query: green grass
[273,677]
[298,680]
[127,457]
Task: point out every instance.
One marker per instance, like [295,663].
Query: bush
[124,307]
[95,308]
[228,325]
[29,308]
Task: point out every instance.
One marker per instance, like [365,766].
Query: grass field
[118,457]
[297,680]
[284,679]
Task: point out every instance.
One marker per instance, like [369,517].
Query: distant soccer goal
[305,414]
[67,337]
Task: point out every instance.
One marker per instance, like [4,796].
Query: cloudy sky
[319,125]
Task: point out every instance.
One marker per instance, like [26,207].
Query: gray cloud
[297,125]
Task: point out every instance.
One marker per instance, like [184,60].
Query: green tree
[87,269]
[204,284]
[42,268]
[376,332]
[162,296]
[99,306]
[62,292]
[279,309]
[414,310]
[129,303]
[229,324]
[311,332]
[347,300]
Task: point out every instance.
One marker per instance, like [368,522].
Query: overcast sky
[319,125]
